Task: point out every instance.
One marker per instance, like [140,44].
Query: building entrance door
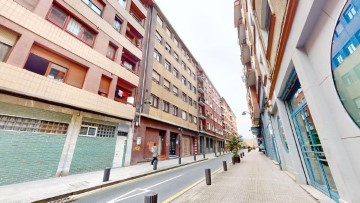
[172,144]
[309,141]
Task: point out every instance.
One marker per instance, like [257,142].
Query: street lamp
[246,112]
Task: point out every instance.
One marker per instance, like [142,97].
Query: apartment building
[303,87]
[211,135]
[167,95]
[69,72]
[228,118]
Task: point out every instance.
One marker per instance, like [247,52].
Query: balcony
[133,36]
[201,77]
[200,89]
[124,92]
[137,14]
[250,76]
[245,54]
[201,101]
[242,34]
[129,61]
[237,13]
[202,116]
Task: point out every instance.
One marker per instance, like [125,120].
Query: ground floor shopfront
[210,144]
[171,141]
[311,118]
[40,140]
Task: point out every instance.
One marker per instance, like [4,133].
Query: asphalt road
[165,184]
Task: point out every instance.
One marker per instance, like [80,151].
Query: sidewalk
[53,187]
[256,179]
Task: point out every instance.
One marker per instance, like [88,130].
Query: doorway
[314,157]
[173,144]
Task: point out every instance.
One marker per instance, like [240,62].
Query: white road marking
[145,190]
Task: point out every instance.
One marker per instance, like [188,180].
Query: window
[351,48]
[191,118]
[176,42]
[122,3]
[176,57]
[350,13]
[189,71]
[97,130]
[183,65]
[95,5]
[175,90]
[158,37]
[80,31]
[195,120]
[7,40]
[157,55]
[339,59]
[176,111]
[190,101]
[168,31]
[28,4]
[194,89]
[13,123]
[183,80]
[188,84]
[104,86]
[156,76]
[166,107]
[167,48]
[282,135]
[184,115]
[175,72]
[154,101]
[111,52]
[117,24]
[195,104]
[167,65]
[167,84]
[66,71]
[184,97]
[158,19]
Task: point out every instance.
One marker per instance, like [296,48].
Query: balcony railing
[200,89]
[202,116]
[201,101]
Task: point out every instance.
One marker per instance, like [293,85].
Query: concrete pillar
[69,146]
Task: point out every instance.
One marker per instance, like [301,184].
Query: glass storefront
[309,141]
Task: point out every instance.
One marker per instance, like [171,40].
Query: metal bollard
[179,160]
[208,176]
[155,165]
[215,153]
[241,155]
[204,155]
[225,165]
[106,174]
[151,197]
[194,157]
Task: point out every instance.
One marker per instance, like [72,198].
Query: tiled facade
[67,58]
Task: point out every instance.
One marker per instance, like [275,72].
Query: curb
[58,197]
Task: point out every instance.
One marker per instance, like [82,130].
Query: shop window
[282,135]
[345,60]
[53,66]
[71,25]
[104,86]
[95,5]
[97,130]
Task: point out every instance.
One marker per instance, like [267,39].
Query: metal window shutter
[7,37]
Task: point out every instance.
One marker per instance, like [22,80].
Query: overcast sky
[207,29]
